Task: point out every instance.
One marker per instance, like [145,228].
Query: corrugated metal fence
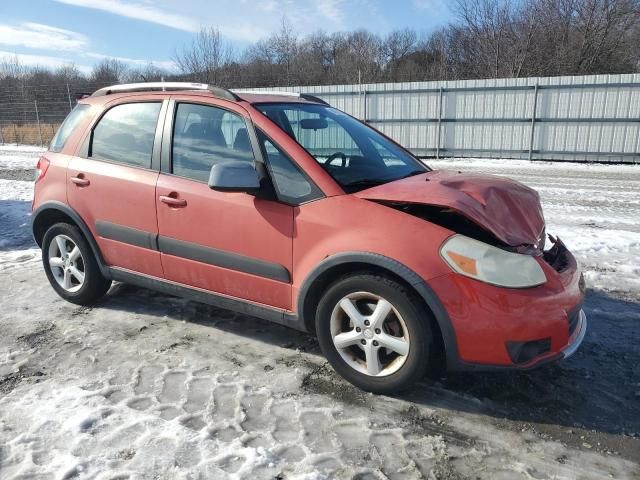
[592,118]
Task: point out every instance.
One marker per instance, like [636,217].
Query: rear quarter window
[68,126]
[125,134]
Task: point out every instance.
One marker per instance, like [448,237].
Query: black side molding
[132,236]
[221,258]
[193,251]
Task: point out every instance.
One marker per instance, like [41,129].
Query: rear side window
[125,134]
[205,135]
[290,183]
[68,126]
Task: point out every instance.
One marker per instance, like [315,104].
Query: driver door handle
[172,201]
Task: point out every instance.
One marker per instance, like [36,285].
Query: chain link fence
[31,113]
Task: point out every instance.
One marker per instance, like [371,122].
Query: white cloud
[264,5]
[36,35]
[332,10]
[164,64]
[246,30]
[42,61]
[258,18]
[139,11]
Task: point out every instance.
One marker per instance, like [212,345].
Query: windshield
[356,156]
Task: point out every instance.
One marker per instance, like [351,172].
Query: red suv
[279,206]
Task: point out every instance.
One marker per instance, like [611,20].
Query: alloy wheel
[369,334]
[66,262]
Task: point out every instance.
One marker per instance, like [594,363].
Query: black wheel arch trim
[77,219]
[405,273]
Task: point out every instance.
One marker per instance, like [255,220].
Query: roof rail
[165,87]
[304,96]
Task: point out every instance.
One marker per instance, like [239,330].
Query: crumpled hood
[504,207]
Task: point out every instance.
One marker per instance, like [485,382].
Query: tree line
[487,39]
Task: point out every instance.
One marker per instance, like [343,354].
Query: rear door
[225,242]
[112,183]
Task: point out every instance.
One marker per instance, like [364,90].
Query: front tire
[70,265]
[374,332]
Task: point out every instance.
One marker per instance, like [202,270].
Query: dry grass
[28,133]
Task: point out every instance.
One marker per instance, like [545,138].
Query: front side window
[290,183]
[356,156]
[203,136]
[68,126]
[125,134]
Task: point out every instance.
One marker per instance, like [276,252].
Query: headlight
[489,264]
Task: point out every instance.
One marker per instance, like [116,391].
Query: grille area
[556,256]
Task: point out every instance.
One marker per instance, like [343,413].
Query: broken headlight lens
[490,264]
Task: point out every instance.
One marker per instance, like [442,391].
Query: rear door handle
[80,180]
[172,201]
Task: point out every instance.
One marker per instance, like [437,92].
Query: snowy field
[148,386]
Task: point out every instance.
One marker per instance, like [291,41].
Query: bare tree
[205,58]
[68,73]
[108,71]
[399,44]
[148,73]
[488,39]
[11,68]
[284,45]
[489,26]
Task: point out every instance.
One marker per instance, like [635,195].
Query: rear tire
[70,265]
[374,332]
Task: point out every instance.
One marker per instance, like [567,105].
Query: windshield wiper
[372,182]
[366,182]
[413,173]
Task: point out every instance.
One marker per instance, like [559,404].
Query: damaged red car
[279,206]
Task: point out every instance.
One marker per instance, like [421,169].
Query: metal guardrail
[532,120]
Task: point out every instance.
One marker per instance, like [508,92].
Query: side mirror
[234,177]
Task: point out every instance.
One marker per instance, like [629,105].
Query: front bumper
[578,336]
[575,340]
[489,321]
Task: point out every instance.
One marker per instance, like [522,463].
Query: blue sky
[56,32]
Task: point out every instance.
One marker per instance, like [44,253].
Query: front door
[114,187]
[226,242]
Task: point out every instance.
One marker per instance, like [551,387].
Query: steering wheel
[334,156]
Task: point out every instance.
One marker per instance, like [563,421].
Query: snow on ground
[144,385]
[16,245]
[19,156]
